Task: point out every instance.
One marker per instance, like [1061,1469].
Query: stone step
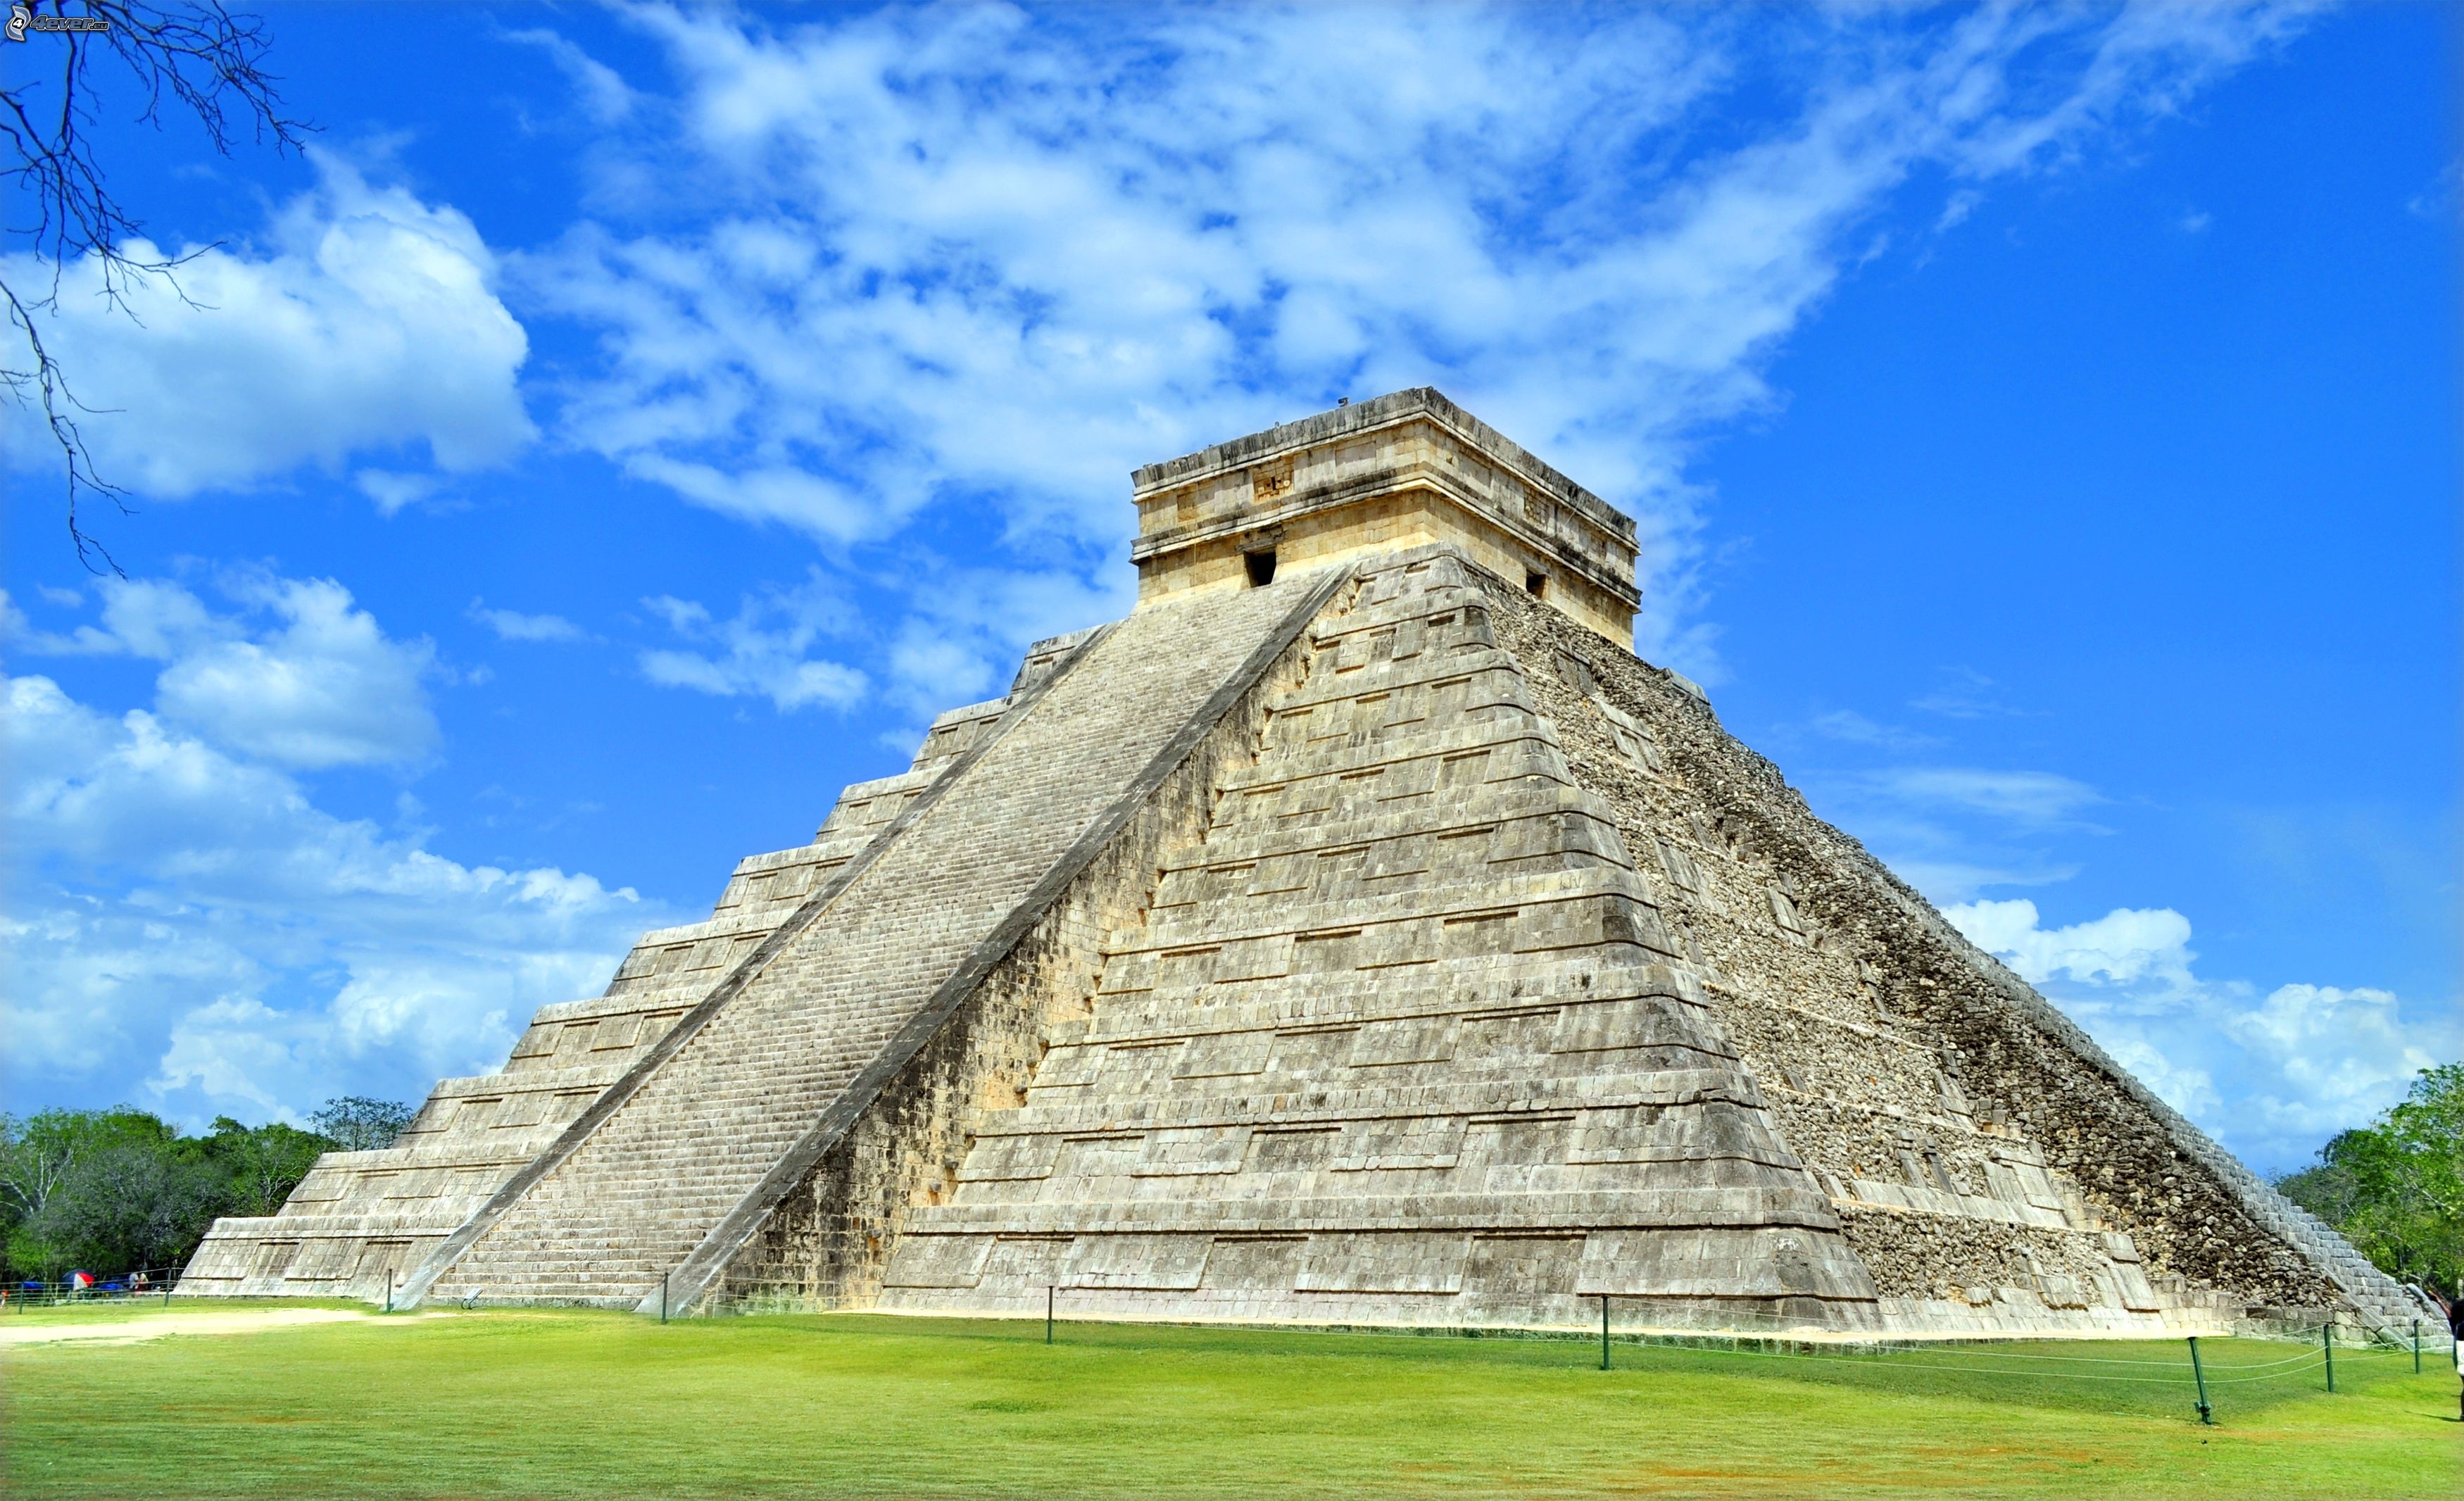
[682,1151]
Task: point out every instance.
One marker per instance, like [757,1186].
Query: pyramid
[1357,933]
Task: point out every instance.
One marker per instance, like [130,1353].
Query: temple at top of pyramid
[1404,470]
[1357,933]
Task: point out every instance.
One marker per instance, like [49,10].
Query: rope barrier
[2192,1377]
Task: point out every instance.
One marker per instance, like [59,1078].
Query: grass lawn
[555,1404]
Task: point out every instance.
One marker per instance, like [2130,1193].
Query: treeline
[2395,1188]
[111,1191]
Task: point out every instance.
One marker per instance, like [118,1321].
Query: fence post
[1604,1330]
[2327,1343]
[169,1277]
[389,1273]
[2207,1415]
[2416,1347]
[1047,1313]
[663,1294]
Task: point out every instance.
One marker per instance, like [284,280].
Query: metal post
[167,1290]
[2207,1415]
[389,1275]
[663,1295]
[1047,1313]
[1604,1330]
[2327,1342]
[2416,1347]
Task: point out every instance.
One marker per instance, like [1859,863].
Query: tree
[357,1123]
[43,1150]
[46,1162]
[2395,1188]
[129,1206]
[108,1191]
[195,54]
[264,1164]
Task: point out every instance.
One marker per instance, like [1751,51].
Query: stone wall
[1974,1138]
[827,1243]
[1400,1039]
[1380,946]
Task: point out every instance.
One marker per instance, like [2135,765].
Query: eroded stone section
[1403,1039]
[1993,1171]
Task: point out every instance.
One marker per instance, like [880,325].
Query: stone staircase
[2389,1307]
[361,1220]
[602,1219]
[1401,1038]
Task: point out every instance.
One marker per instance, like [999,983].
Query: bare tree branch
[196,54]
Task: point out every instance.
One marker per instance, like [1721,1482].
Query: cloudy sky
[622,427]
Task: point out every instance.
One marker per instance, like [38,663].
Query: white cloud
[318,684]
[2270,1077]
[1948,878]
[2437,201]
[761,651]
[511,625]
[1952,832]
[392,492]
[2345,1055]
[366,322]
[2125,945]
[2029,799]
[960,643]
[603,96]
[989,256]
[326,688]
[187,916]
[1967,694]
[1856,729]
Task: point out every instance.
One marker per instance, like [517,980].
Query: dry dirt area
[229,1322]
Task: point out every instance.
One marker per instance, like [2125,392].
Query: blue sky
[625,426]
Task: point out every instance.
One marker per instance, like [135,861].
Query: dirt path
[231,1321]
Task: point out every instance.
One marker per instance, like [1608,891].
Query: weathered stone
[1358,933]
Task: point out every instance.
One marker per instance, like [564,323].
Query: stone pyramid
[1357,933]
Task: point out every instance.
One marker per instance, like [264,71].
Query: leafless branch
[197,56]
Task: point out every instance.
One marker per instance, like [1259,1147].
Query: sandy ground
[234,1321]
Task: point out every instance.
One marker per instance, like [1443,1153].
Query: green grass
[553,1403]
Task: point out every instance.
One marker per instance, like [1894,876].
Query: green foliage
[124,1208]
[45,1159]
[357,1123]
[264,1163]
[2395,1188]
[109,1191]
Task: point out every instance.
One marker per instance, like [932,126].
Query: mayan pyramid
[1357,933]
